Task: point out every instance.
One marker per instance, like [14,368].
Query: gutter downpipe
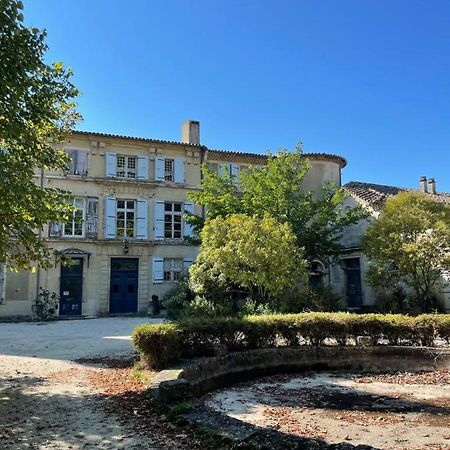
[38,269]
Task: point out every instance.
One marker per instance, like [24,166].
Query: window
[91,217]
[169,170]
[74,227]
[213,167]
[172,269]
[78,164]
[125,219]
[126,166]
[172,220]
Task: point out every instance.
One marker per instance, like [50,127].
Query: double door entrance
[123,297]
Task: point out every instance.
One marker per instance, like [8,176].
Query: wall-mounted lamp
[125,248]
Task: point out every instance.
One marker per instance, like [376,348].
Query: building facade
[349,279]
[127,238]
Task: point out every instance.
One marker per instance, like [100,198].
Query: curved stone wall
[208,374]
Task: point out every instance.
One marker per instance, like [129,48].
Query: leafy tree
[276,189]
[410,244]
[36,109]
[256,254]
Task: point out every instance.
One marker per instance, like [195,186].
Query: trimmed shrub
[160,344]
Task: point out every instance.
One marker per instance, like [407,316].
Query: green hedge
[160,344]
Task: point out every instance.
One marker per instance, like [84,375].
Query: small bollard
[156,305]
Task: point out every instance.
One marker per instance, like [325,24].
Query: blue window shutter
[142,219]
[159,220]
[188,229]
[221,170]
[159,169]
[158,270]
[187,262]
[142,167]
[110,218]
[179,171]
[234,171]
[111,164]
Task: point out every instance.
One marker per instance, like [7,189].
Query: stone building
[349,280]
[127,237]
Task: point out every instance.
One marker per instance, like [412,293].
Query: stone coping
[198,377]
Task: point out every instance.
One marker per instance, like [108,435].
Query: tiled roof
[130,138]
[375,195]
[215,154]
[255,158]
[244,157]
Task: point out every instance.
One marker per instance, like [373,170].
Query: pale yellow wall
[21,287]
[321,172]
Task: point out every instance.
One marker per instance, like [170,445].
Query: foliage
[47,304]
[37,108]
[177,298]
[182,302]
[304,298]
[202,307]
[256,254]
[277,189]
[253,308]
[199,337]
[159,344]
[409,245]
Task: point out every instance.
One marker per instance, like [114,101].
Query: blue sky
[368,80]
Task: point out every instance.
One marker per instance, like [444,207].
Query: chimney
[190,132]
[432,186]
[423,184]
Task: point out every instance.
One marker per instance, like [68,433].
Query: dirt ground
[46,401]
[393,411]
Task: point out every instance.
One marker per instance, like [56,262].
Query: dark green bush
[158,344]
[162,343]
[305,298]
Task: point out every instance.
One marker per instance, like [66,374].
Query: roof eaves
[133,138]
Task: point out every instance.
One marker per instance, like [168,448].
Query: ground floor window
[172,269]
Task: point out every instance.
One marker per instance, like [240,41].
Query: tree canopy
[36,109]
[277,189]
[253,253]
[410,244]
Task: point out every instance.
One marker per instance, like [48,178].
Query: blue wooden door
[124,285]
[71,288]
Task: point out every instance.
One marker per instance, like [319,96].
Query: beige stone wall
[21,288]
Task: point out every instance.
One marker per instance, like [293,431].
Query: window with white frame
[169,170]
[173,268]
[126,166]
[74,227]
[125,218]
[173,220]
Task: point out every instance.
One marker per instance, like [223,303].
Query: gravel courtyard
[45,401]
[402,411]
